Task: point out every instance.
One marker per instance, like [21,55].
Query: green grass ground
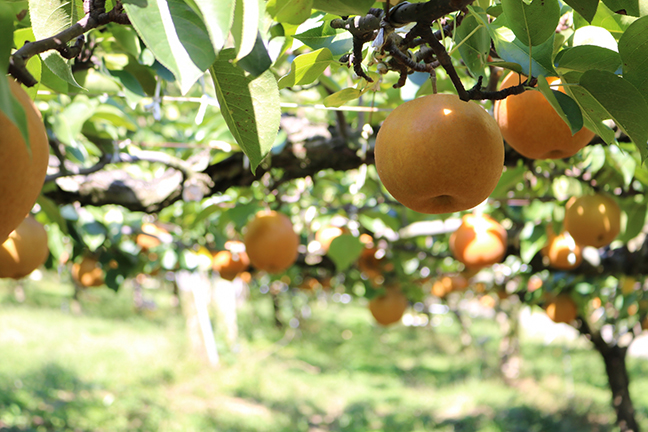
[111,369]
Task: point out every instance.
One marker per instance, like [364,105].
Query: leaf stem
[465,39]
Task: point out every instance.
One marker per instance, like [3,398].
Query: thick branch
[615,367]
[93,186]
[311,150]
[594,336]
[141,156]
[406,13]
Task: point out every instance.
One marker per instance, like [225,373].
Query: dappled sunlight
[339,372]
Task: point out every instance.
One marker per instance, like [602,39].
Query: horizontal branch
[310,150]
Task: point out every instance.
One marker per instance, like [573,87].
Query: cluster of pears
[437,154]
[23,240]
[270,244]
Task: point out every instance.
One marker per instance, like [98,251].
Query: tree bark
[310,149]
[615,366]
[509,349]
[614,358]
[276,307]
[465,336]
[224,305]
[194,289]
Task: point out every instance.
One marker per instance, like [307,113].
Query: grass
[112,369]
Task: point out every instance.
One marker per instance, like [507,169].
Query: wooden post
[224,294]
[195,289]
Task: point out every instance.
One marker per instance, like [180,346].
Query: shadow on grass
[362,417]
[526,419]
[54,399]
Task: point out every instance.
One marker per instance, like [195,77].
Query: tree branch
[310,150]
[96,187]
[96,15]
[594,336]
[380,27]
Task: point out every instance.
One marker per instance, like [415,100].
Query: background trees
[198,115]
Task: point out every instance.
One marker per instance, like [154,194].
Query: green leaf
[593,112]
[324,36]
[13,110]
[622,162]
[515,67]
[144,75]
[532,239]
[344,251]
[258,61]
[93,234]
[52,211]
[306,68]
[6,36]
[240,214]
[585,57]
[133,90]
[52,81]
[96,82]
[56,240]
[612,22]
[8,104]
[509,179]
[341,97]
[290,11]
[594,158]
[249,105]
[51,17]
[586,8]
[511,49]
[113,115]
[564,187]
[636,219]
[624,7]
[532,23]
[376,220]
[59,67]
[245,26]
[67,124]
[474,50]
[343,7]
[565,106]
[177,37]
[48,19]
[128,39]
[538,211]
[633,48]
[218,17]
[623,104]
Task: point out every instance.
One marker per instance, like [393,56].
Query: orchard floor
[108,368]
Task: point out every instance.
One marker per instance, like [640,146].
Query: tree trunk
[277,311]
[509,349]
[465,337]
[614,358]
[615,366]
[194,288]
[224,305]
